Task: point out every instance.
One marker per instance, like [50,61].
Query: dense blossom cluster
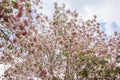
[62,48]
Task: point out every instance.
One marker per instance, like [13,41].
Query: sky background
[108,11]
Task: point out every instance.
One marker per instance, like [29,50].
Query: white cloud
[1,69]
[107,10]
[109,30]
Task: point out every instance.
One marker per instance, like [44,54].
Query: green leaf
[8,10]
[13,0]
[102,62]
[92,51]
[9,47]
[21,50]
[28,4]
[5,3]
[54,78]
[14,3]
[1,8]
[5,37]
[66,54]
[85,73]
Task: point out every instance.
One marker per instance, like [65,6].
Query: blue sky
[107,11]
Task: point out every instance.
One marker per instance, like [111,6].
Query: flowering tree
[63,48]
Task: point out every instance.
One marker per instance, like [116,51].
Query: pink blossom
[24,33]
[74,33]
[43,72]
[115,33]
[20,13]
[14,40]
[74,54]
[26,23]
[68,11]
[31,79]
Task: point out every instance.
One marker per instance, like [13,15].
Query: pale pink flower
[31,79]
[74,53]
